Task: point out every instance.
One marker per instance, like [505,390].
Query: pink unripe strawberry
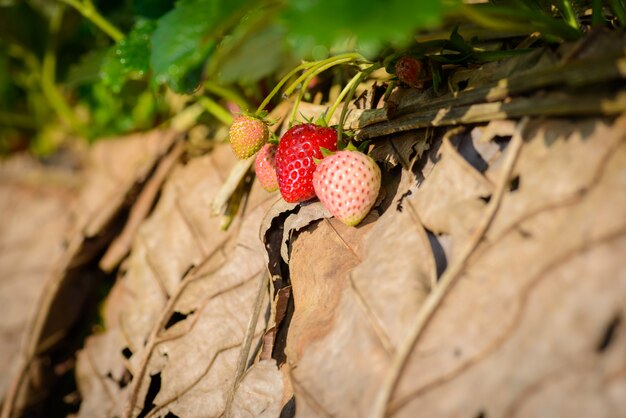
[347,183]
[247,136]
[265,167]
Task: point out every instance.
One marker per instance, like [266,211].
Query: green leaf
[152,9]
[326,22]
[265,49]
[129,59]
[185,37]
[87,69]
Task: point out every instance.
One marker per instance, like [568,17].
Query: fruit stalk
[88,10]
[344,110]
[311,68]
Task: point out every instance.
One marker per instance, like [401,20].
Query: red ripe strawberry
[347,183]
[409,71]
[247,136]
[294,159]
[265,167]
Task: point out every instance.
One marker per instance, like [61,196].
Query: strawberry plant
[181,80]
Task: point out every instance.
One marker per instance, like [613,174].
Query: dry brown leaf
[34,202]
[449,199]
[351,306]
[115,171]
[541,294]
[260,394]
[184,297]
[178,235]
[536,60]
[534,319]
[101,376]
[116,166]
[403,149]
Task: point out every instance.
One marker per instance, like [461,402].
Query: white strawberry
[347,183]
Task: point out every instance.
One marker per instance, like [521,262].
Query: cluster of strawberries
[306,164]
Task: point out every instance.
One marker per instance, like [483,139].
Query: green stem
[17,120]
[216,110]
[566,9]
[280,84]
[48,76]
[304,66]
[319,68]
[618,9]
[227,94]
[344,109]
[296,104]
[89,11]
[356,79]
[597,17]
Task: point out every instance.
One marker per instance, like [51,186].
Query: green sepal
[326,152]
[341,144]
[363,146]
[321,120]
[437,77]
[260,116]
[307,120]
[390,86]
[270,122]
[273,139]
[317,161]
[351,147]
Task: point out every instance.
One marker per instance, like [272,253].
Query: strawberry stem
[216,110]
[226,93]
[343,93]
[304,66]
[344,111]
[282,81]
[321,67]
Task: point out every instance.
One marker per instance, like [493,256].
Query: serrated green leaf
[129,59]
[185,37]
[370,21]
[87,69]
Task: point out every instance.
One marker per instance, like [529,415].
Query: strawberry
[409,71]
[247,136]
[347,183]
[265,167]
[295,159]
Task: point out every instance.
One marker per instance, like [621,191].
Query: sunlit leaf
[324,22]
[265,49]
[129,58]
[186,35]
[87,70]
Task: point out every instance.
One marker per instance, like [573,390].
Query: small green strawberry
[347,183]
[247,136]
[265,167]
